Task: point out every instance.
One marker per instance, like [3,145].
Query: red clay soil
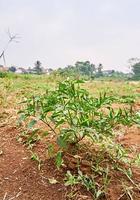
[20,178]
[132,138]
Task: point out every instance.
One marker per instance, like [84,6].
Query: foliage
[53,109]
[86,181]
[135,66]
[136,71]
[7,75]
[12,69]
[89,71]
[79,69]
[37,67]
[75,113]
[99,70]
[3,74]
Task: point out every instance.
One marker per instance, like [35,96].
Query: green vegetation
[135,67]
[72,106]
[86,69]
[77,119]
[83,118]
[136,71]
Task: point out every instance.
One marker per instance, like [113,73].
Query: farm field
[90,170]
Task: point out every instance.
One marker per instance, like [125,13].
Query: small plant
[137,160]
[127,192]
[36,158]
[29,138]
[75,114]
[70,179]
[89,183]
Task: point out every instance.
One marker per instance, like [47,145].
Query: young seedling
[36,158]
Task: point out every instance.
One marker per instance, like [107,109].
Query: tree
[133,61]
[12,69]
[37,67]
[85,68]
[99,70]
[135,67]
[136,71]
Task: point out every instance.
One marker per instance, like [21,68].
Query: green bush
[3,74]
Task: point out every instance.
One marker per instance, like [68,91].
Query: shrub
[3,74]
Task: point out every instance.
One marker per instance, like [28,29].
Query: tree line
[92,71]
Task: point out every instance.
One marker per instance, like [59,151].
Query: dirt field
[20,178]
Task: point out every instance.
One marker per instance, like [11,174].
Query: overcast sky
[61,32]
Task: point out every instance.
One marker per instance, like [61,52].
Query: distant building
[21,70]
[3,69]
[31,71]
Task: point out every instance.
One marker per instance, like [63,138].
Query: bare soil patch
[20,178]
[132,138]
